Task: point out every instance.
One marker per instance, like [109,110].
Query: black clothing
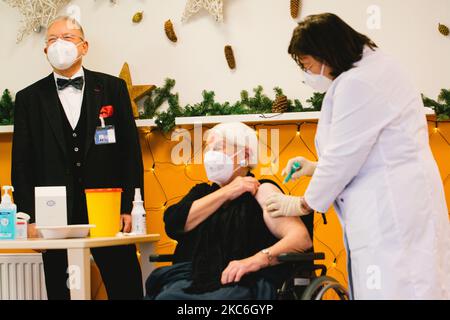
[234,232]
[48,152]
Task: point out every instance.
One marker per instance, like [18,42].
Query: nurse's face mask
[319,82]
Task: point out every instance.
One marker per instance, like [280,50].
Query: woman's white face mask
[220,167]
[319,82]
[63,54]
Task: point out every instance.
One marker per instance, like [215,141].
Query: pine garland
[259,103]
[156,98]
[6,109]
[316,101]
[441,107]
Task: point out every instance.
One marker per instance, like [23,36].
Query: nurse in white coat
[375,164]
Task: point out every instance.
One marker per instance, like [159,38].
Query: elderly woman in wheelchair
[228,244]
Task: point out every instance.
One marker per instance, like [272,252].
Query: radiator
[22,277]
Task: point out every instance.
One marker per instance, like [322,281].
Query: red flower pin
[106,112]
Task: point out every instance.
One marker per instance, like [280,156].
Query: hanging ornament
[137,17]
[136,92]
[170,32]
[444,30]
[280,105]
[36,14]
[229,55]
[295,8]
[214,7]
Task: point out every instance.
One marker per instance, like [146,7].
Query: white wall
[259,31]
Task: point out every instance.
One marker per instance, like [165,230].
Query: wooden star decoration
[214,7]
[36,14]
[136,92]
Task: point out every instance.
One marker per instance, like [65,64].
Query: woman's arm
[291,231]
[203,208]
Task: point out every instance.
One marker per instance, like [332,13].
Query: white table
[78,254]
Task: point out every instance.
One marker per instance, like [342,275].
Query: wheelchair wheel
[325,288]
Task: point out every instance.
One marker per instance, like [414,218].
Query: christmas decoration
[36,14]
[441,107]
[259,103]
[281,104]
[136,92]
[137,17]
[316,101]
[214,7]
[170,32]
[229,55]
[6,109]
[444,30]
[295,8]
[156,98]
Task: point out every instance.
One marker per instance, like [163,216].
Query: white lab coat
[376,166]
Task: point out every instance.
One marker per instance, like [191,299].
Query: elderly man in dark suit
[56,122]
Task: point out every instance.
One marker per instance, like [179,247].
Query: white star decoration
[214,7]
[36,14]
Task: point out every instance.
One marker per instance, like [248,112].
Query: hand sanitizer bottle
[138,215]
[8,212]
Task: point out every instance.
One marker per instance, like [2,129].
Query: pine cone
[137,17]
[444,30]
[295,8]
[229,55]
[170,32]
[280,104]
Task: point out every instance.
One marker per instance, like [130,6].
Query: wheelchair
[302,282]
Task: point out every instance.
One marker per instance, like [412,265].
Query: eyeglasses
[301,65]
[67,37]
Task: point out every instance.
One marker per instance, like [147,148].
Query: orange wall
[168,183]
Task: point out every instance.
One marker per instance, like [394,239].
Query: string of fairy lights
[297,136]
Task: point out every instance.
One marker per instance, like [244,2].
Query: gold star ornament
[36,14]
[136,92]
[214,7]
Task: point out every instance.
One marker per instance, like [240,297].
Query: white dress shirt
[71,98]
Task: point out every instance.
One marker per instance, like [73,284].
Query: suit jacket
[40,156]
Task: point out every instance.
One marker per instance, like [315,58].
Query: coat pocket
[358,238]
[359,209]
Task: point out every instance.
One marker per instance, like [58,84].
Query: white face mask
[318,82]
[220,167]
[63,54]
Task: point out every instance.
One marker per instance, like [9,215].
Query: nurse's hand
[280,205]
[125,222]
[307,168]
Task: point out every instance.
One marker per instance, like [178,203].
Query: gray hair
[71,22]
[240,136]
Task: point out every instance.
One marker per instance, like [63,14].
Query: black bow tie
[77,83]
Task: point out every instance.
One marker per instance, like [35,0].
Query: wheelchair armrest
[161,258]
[301,257]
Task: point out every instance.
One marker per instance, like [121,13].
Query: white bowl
[65,232]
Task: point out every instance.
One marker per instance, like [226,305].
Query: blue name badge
[105,135]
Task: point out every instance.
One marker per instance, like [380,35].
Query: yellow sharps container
[103,206]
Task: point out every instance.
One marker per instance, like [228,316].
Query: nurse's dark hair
[330,40]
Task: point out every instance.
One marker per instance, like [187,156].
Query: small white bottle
[22,220]
[138,215]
